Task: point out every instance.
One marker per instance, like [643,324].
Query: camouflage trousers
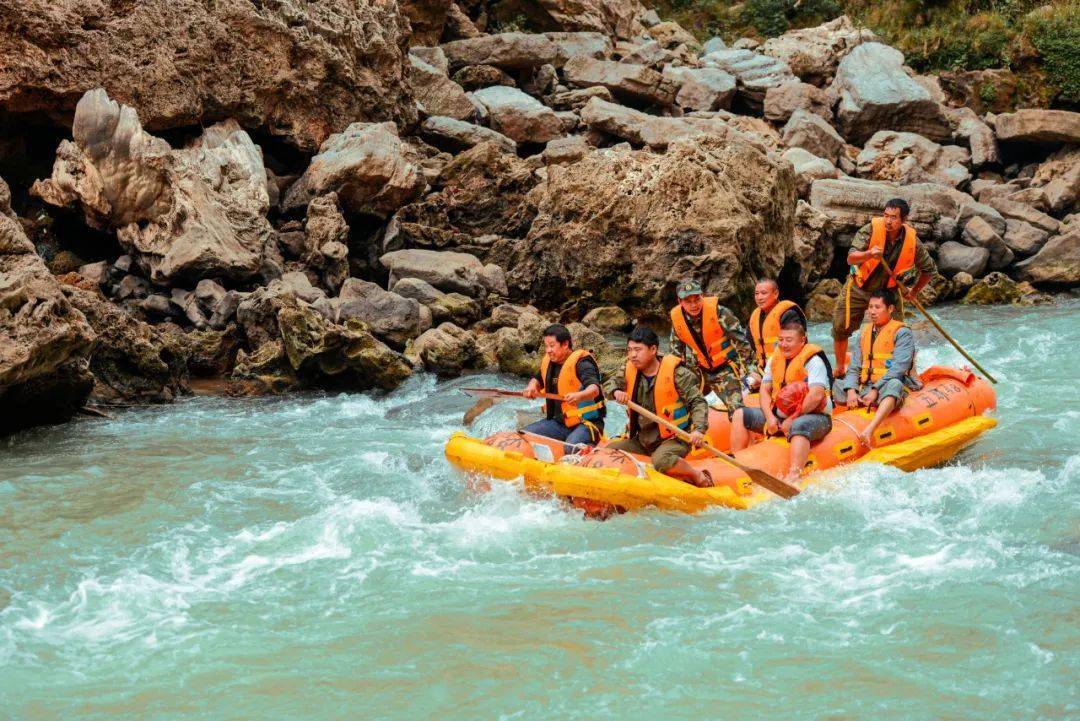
[727,386]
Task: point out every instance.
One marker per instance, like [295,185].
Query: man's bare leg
[798,453]
[840,351]
[739,436]
[883,410]
[687,473]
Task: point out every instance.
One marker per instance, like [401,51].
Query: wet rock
[701,88]
[955,258]
[368,167]
[695,210]
[810,132]
[782,101]
[1057,264]
[459,135]
[978,234]
[1038,126]
[297,70]
[876,94]
[625,80]
[518,116]
[266,369]
[823,297]
[509,51]
[509,354]
[182,214]
[531,326]
[608,319]
[326,238]
[999,289]
[446,350]
[507,315]
[436,93]
[909,158]
[461,310]
[393,319]
[813,54]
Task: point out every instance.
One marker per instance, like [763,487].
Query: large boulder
[1032,125]
[808,168]
[445,270]
[822,299]
[509,51]
[298,70]
[518,116]
[625,80]
[446,350]
[720,211]
[392,318]
[970,128]
[1059,179]
[1026,213]
[44,341]
[1024,239]
[701,88]
[956,258]
[783,100]
[655,131]
[875,93]
[458,135]
[181,214]
[1057,264]
[368,166]
[998,288]
[436,93]
[978,234]
[580,44]
[608,319]
[755,73]
[909,158]
[813,53]
[326,241]
[812,245]
[812,133]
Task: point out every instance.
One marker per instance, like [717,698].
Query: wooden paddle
[915,300]
[490,396]
[758,476]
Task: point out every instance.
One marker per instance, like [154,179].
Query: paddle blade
[479,407]
[771,483]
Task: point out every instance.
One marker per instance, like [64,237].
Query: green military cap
[688,288]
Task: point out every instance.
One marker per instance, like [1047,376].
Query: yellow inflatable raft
[932,426]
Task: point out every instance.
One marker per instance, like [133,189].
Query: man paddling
[578,420]
[888,237]
[881,373]
[765,323]
[664,385]
[707,336]
[793,361]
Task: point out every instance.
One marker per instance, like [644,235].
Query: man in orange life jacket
[888,237]
[574,375]
[664,385]
[881,373]
[765,323]
[794,360]
[708,338]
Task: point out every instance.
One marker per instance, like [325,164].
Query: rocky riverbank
[291,196]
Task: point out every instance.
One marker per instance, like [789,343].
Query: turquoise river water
[315,557]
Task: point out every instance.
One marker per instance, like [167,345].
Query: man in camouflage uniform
[711,341]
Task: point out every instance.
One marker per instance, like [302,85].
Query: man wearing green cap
[709,339]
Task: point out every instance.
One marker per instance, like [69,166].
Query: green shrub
[775,17]
[1056,36]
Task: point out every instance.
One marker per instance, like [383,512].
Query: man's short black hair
[794,325]
[886,295]
[901,205]
[559,332]
[644,335]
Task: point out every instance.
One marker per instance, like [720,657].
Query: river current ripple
[315,557]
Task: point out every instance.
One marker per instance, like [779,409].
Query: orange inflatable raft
[932,426]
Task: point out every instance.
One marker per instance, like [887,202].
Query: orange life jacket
[877,360]
[718,349]
[766,333]
[666,400]
[784,371]
[568,382]
[904,263]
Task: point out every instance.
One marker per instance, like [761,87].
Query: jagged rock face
[182,214]
[909,158]
[1057,264]
[367,165]
[44,341]
[626,227]
[813,53]
[132,362]
[299,70]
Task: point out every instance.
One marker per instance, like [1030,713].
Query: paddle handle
[933,321]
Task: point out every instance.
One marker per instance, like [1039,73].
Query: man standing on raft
[892,239]
[793,361]
[574,375]
[881,373]
[765,323]
[707,336]
[664,385]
